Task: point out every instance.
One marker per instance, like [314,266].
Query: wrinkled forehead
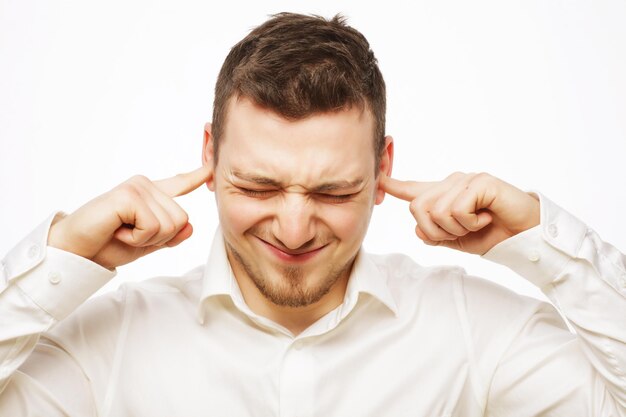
[333,145]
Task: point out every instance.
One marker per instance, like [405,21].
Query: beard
[289,287]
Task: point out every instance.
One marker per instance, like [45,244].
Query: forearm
[583,277]
[39,287]
[590,295]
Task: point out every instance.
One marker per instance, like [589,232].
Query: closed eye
[256,193]
[328,198]
[335,198]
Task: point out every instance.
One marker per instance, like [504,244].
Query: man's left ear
[384,167]
[207,154]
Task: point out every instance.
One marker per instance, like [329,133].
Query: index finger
[404,190]
[182,184]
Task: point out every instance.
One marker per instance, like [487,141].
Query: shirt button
[534,256]
[553,230]
[33,251]
[54,277]
[298,345]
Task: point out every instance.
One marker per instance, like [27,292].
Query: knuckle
[126,193]
[181,219]
[414,206]
[138,179]
[151,228]
[420,204]
[148,231]
[455,175]
[437,216]
[435,237]
[167,228]
[457,212]
[430,231]
[441,234]
[482,177]
[420,233]
[439,213]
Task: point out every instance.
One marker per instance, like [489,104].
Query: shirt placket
[297,380]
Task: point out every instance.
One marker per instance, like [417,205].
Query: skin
[467,212]
[132,220]
[294,199]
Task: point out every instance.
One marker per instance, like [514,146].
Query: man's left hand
[468,212]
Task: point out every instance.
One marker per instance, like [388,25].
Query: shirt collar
[366,277]
[218,279]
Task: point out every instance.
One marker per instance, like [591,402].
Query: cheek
[347,221]
[238,214]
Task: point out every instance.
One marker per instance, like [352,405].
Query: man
[289,316]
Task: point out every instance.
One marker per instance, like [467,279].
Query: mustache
[264,233]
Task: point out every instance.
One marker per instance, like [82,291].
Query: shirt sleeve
[585,278]
[39,286]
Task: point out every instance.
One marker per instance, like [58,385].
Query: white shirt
[406,341]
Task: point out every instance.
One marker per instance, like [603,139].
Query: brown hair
[298,65]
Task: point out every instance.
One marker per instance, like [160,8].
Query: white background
[531,91]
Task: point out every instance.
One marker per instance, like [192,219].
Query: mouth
[291,256]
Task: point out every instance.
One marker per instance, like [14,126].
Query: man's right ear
[207,155]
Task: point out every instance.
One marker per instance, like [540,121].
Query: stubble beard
[290,289]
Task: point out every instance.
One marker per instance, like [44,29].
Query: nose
[294,223]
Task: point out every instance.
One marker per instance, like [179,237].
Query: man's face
[294,198]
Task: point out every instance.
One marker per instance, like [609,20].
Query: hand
[134,219]
[468,212]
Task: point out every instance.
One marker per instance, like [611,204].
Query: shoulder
[187,286]
[475,299]
[100,319]
[407,278]
[489,314]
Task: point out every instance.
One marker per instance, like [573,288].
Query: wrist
[56,233]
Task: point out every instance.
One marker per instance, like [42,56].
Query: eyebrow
[321,188]
[337,185]
[257,179]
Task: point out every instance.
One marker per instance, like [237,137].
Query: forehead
[332,145]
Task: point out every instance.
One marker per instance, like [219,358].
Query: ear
[386,163]
[207,155]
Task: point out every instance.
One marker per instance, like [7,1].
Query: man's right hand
[134,219]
